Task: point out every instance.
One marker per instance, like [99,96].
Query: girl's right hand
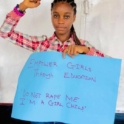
[29,4]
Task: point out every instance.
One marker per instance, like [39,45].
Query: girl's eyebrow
[55,12]
[65,12]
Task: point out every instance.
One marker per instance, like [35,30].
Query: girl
[64,39]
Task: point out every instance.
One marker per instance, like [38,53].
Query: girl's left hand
[74,50]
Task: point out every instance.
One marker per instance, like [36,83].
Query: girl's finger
[35,1]
[75,51]
[32,0]
[69,51]
[72,50]
[64,53]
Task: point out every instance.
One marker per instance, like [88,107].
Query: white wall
[103,27]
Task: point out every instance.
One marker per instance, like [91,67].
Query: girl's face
[62,16]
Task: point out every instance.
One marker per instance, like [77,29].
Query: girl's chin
[60,32]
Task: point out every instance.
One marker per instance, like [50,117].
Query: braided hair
[74,6]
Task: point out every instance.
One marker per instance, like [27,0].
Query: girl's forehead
[62,6]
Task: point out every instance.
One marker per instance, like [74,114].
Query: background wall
[98,21]
[104,28]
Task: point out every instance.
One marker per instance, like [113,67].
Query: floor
[5,117]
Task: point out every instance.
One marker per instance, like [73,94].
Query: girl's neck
[63,37]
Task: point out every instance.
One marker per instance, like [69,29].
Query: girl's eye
[66,17]
[55,16]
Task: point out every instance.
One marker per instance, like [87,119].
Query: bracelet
[18,11]
[17,7]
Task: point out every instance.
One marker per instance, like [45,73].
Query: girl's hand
[74,50]
[29,4]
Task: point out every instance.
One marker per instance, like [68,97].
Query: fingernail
[63,57]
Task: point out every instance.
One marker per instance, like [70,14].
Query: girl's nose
[61,20]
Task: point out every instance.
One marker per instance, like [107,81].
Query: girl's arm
[92,50]
[7,32]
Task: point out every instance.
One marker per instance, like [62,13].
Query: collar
[54,38]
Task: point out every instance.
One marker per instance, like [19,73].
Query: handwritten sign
[82,90]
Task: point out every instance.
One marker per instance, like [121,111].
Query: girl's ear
[74,18]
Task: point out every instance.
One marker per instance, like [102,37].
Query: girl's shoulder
[84,42]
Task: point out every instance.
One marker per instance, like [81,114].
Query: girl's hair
[74,6]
